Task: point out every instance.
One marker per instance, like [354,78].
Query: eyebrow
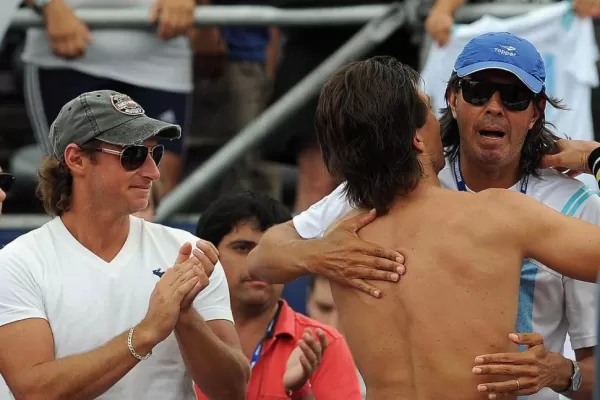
[242,242]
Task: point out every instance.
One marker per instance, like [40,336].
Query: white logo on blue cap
[506,50]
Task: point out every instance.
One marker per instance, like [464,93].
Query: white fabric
[48,274]
[132,56]
[566,43]
[7,11]
[549,303]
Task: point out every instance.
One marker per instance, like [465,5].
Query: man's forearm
[280,256]
[83,376]
[221,373]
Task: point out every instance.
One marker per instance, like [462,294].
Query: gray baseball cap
[108,116]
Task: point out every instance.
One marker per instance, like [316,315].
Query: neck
[254,316]
[102,232]
[479,176]
[428,186]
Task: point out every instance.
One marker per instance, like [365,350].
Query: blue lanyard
[269,334]
[460,183]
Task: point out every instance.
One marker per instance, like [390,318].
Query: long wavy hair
[540,139]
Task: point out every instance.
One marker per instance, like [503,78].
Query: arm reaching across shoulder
[566,244]
[282,256]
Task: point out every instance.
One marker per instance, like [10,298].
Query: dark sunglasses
[6,181]
[133,157]
[515,97]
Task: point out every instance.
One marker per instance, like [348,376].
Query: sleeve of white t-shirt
[20,295]
[312,223]
[580,297]
[213,302]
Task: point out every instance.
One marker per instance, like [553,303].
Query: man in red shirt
[291,356]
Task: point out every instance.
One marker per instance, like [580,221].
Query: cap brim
[139,129]
[532,83]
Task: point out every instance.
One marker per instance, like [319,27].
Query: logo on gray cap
[125,105]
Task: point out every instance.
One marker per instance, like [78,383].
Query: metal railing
[381,22]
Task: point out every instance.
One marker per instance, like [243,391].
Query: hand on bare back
[341,256]
[68,35]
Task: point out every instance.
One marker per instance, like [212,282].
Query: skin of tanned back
[458,299]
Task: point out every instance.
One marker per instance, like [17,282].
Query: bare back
[457,300]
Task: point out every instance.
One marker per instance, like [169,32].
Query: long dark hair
[367,116]
[540,140]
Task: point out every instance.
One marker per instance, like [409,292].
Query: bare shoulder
[505,199]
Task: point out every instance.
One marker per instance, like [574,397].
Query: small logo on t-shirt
[158,272]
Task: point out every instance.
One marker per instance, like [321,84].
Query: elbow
[255,263]
[235,389]
[258,260]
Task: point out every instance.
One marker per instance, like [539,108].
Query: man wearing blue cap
[494,133]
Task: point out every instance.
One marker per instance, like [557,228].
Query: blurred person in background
[495,132]
[321,307]
[67,58]
[6,182]
[441,17]
[291,356]
[302,51]
[233,76]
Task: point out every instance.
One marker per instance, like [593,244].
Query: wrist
[187,318]
[563,373]
[447,7]
[143,340]
[304,250]
[593,161]
[302,393]
[52,7]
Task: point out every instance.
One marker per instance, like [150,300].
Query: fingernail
[401,270]
[479,360]
[481,388]
[492,396]
[395,277]
[477,370]
[377,293]
[400,259]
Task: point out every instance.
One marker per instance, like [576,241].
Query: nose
[150,169]
[494,106]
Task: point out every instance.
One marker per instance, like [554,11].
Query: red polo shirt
[335,379]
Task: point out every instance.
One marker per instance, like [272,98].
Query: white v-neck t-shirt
[48,274]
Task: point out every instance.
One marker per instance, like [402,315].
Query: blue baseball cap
[505,51]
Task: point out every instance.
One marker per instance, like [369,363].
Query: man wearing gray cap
[97,303]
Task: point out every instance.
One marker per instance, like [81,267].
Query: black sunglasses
[133,157]
[6,181]
[515,97]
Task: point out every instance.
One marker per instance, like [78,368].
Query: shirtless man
[463,251]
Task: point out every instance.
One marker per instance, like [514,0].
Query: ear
[536,113]
[451,97]
[75,159]
[418,142]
